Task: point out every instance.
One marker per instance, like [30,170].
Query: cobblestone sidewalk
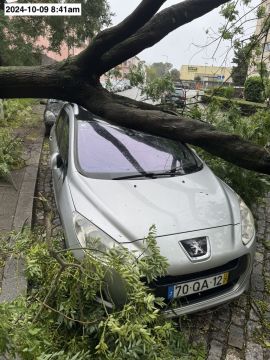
[236,331]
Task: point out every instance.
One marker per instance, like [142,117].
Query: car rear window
[105,151]
[180,92]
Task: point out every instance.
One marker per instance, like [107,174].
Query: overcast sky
[179,47]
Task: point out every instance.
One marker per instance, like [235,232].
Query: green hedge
[247,107]
[223,91]
[254,89]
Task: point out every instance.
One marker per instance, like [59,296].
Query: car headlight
[91,236]
[49,116]
[247,222]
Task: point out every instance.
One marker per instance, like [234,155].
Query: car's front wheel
[47,130]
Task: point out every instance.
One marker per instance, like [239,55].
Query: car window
[180,92]
[58,127]
[105,151]
[62,135]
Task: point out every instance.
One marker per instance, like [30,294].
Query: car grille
[235,268]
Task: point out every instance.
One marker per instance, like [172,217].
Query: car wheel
[47,130]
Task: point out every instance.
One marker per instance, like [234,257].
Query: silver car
[114,183]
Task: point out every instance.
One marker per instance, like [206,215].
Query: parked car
[51,112]
[113,183]
[178,97]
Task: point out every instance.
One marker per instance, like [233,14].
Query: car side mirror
[57,161]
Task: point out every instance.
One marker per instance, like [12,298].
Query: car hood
[126,209]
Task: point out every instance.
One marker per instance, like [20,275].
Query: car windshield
[108,152]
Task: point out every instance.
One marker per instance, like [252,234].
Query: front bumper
[217,297]
[239,271]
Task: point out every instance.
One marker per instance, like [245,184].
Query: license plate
[200,285]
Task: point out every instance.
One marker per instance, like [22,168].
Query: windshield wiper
[153,175]
[135,176]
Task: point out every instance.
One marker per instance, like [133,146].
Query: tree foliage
[250,186]
[18,44]
[175,74]
[62,319]
[242,59]
[158,70]
[254,89]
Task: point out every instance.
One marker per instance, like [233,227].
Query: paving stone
[56,221]
[260,223]
[238,317]
[267,266]
[257,283]
[266,354]
[256,295]
[267,236]
[254,351]
[258,257]
[252,328]
[261,213]
[215,352]
[219,330]
[253,315]
[261,246]
[224,313]
[241,301]
[236,337]
[198,337]
[233,354]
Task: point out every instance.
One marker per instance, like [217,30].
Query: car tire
[47,130]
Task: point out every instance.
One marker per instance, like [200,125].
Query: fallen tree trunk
[77,80]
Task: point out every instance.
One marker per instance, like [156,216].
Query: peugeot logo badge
[197,249]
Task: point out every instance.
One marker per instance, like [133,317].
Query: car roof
[86,115]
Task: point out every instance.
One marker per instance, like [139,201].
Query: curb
[14,282]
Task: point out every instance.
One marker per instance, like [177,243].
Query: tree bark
[108,38]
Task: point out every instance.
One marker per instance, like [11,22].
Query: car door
[59,158]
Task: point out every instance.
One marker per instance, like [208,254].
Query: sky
[184,45]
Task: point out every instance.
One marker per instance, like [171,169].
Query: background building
[125,67]
[48,57]
[265,43]
[204,75]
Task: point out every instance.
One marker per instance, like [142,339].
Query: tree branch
[56,81]
[156,29]
[229,147]
[108,38]
[67,81]
[61,83]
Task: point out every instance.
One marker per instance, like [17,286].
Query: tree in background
[175,75]
[18,34]
[158,70]
[254,89]
[242,59]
